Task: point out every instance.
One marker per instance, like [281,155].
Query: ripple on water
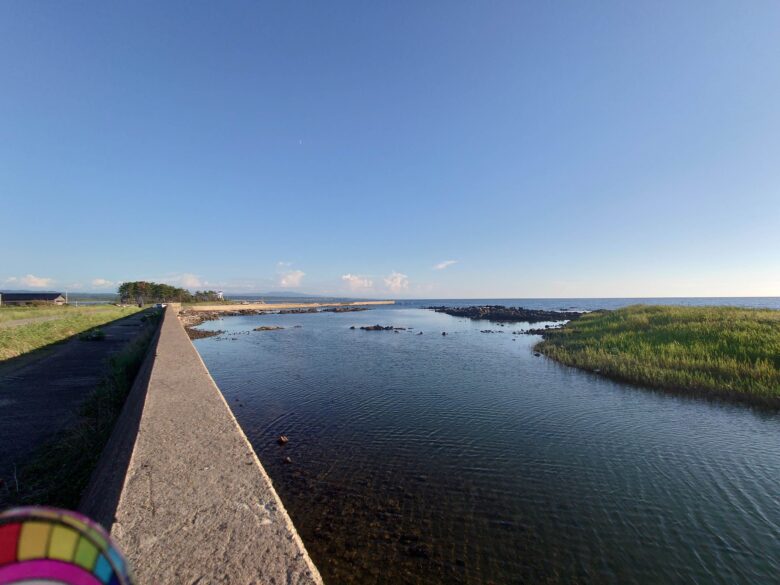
[464,459]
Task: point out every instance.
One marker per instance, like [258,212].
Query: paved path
[196,504]
[42,393]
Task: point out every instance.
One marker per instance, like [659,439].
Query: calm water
[465,459]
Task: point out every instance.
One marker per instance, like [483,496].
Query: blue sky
[403,149]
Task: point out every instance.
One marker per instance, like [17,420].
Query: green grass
[721,350]
[13,313]
[57,472]
[57,324]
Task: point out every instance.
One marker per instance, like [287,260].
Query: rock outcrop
[498,313]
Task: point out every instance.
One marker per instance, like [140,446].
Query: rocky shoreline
[198,334]
[500,313]
[191,319]
[317,310]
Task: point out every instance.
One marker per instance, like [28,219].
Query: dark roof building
[26,298]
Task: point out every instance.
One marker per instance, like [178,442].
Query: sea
[417,457]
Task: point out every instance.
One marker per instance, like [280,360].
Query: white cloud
[445,264]
[356,282]
[397,282]
[184,279]
[291,279]
[189,281]
[101,283]
[30,281]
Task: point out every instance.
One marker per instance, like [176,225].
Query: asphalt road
[41,393]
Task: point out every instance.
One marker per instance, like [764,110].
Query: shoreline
[194,315]
[663,348]
[262,306]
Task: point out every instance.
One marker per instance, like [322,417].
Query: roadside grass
[723,350]
[12,313]
[96,334]
[57,473]
[16,340]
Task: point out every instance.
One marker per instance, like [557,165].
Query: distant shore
[261,306]
[195,314]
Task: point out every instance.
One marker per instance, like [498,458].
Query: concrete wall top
[196,505]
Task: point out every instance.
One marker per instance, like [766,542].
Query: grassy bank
[722,350]
[57,472]
[24,329]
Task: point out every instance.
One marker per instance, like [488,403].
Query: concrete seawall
[187,500]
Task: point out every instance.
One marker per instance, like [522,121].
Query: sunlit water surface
[466,459]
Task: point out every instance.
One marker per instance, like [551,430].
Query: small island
[727,351]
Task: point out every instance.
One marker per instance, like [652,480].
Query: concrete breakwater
[185,496]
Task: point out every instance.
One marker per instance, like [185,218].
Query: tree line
[155,292]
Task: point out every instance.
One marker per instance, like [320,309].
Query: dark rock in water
[381,328]
[282,440]
[498,313]
[199,334]
[420,551]
[420,333]
[537,354]
[444,333]
[538,331]
[352,327]
[268,328]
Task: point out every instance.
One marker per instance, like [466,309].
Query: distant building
[24,298]
[220,295]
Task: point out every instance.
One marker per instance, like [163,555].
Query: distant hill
[73,297]
[275,293]
[285,296]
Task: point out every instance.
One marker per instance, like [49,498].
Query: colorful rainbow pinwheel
[52,546]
